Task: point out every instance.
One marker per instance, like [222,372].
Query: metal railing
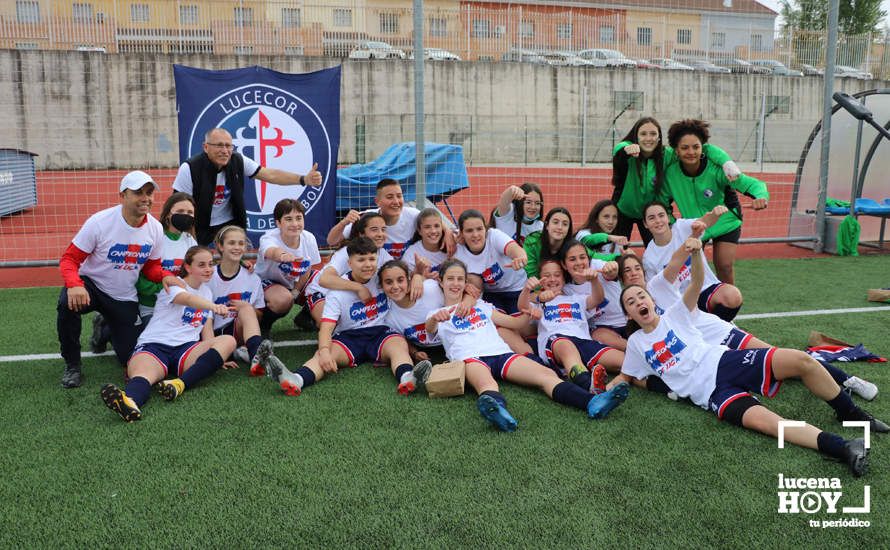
[290,27]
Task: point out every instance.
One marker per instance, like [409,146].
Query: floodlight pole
[419,149]
[828,87]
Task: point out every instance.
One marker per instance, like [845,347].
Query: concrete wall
[81,110]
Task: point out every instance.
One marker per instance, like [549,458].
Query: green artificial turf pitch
[235,463]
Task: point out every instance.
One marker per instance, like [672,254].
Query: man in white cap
[100,268]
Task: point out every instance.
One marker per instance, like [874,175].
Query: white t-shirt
[222,207]
[244,285]
[507,224]
[472,336]
[655,258]
[173,324]
[340,262]
[172,254]
[491,263]
[287,273]
[399,234]
[676,352]
[565,315]
[344,308]
[412,321]
[714,330]
[434,258]
[117,250]
[608,312]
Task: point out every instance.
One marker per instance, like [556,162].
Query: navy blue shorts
[591,351]
[508,301]
[620,331]
[736,339]
[364,344]
[497,364]
[741,372]
[170,357]
[704,299]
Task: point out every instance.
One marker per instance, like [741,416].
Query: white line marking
[813,312]
[301,343]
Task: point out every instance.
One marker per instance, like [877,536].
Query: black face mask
[182,222]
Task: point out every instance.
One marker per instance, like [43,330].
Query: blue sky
[774,4]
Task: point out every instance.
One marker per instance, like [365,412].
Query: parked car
[376,50]
[741,66]
[612,58]
[570,59]
[843,71]
[775,67]
[809,70]
[438,54]
[706,66]
[646,64]
[524,56]
[670,64]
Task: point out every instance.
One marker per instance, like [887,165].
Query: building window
[526,29]
[26,45]
[481,28]
[139,13]
[243,50]
[564,31]
[27,12]
[293,50]
[718,39]
[778,104]
[290,17]
[82,13]
[243,17]
[188,15]
[684,36]
[644,36]
[607,34]
[342,17]
[438,27]
[389,23]
[757,42]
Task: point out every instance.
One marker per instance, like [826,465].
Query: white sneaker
[862,388]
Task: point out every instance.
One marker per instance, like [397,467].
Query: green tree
[854,16]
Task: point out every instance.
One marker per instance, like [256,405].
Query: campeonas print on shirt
[663,354]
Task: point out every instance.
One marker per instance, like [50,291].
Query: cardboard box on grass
[446,379]
[820,339]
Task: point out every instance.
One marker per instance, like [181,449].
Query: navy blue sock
[583,380]
[831,444]
[308,376]
[725,313]
[138,389]
[657,385]
[252,344]
[402,369]
[497,396]
[566,393]
[269,318]
[839,376]
[209,362]
[843,405]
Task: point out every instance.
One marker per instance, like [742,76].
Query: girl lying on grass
[714,377]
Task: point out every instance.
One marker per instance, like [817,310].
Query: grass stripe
[812,312]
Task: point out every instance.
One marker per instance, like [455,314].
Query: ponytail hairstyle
[657,155]
[190,256]
[546,254]
[221,235]
[428,212]
[389,265]
[166,214]
[632,325]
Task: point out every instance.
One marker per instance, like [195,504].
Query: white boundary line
[300,343]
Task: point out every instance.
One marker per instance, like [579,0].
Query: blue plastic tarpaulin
[446,174]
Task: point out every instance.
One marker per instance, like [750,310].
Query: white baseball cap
[136,180]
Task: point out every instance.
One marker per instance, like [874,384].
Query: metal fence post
[828,89]
[420,155]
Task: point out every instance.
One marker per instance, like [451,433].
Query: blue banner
[282,121]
